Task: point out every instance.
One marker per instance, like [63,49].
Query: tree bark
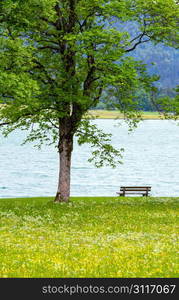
[65,149]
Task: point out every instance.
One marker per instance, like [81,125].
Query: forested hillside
[161,60]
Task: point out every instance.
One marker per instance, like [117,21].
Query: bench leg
[122,195]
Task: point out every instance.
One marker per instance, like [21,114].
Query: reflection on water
[150,158]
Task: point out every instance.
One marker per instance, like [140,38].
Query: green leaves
[103,152]
[169,107]
[60,58]
[160,19]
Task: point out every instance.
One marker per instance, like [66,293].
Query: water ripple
[150,158]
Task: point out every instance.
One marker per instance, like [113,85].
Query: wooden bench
[142,190]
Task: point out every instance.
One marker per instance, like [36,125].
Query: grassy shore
[89,237]
[113,114]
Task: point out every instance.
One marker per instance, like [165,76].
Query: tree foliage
[59,57]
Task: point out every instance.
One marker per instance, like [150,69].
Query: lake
[150,158]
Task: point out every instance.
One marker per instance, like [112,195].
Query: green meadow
[89,237]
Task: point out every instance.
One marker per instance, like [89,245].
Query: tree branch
[138,43]
[90,76]
[72,16]
[60,23]
[52,123]
[47,20]
[49,47]
[40,66]
[25,115]
[48,41]
[84,23]
[5,123]
[140,37]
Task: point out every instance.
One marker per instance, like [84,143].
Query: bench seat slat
[135,189]
[132,193]
[136,186]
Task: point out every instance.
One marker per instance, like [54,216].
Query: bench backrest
[135,188]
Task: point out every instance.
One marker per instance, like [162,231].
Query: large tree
[59,57]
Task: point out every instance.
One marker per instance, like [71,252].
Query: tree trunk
[65,149]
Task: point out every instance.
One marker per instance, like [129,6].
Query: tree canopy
[58,58]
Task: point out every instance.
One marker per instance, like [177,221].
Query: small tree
[59,57]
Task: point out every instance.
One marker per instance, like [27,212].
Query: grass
[113,114]
[89,237]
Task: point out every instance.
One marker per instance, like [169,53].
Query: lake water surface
[151,157]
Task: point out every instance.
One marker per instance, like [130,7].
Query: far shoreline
[113,114]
